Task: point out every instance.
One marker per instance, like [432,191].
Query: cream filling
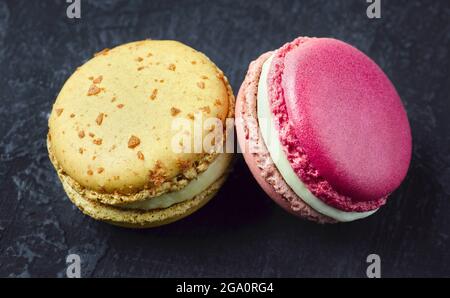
[215,170]
[272,141]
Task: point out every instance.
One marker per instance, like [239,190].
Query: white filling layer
[272,141]
[215,170]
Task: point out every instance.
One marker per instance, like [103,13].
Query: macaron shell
[140,219]
[348,117]
[259,161]
[111,125]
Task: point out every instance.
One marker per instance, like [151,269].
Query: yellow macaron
[111,133]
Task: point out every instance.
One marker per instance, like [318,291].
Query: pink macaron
[323,130]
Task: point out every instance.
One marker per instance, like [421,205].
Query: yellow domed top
[110,129]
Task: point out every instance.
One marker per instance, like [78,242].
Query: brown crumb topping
[217,102]
[100,170]
[94,90]
[154,94]
[91,134]
[172,67]
[59,112]
[139,59]
[120,106]
[98,141]
[98,80]
[81,134]
[103,52]
[140,68]
[201,85]
[157,175]
[133,142]
[191,116]
[183,165]
[140,155]
[81,150]
[204,77]
[99,119]
[206,109]
[90,173]
[174,111]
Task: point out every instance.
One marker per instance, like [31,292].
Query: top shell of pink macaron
[348,117]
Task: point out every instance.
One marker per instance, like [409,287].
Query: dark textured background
[241,233]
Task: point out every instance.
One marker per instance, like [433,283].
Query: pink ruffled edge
[255,151]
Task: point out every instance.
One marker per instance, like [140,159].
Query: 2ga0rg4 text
[247,287]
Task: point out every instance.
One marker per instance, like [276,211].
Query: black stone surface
[241,233]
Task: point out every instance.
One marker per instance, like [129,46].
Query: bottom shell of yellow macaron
[140,218]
